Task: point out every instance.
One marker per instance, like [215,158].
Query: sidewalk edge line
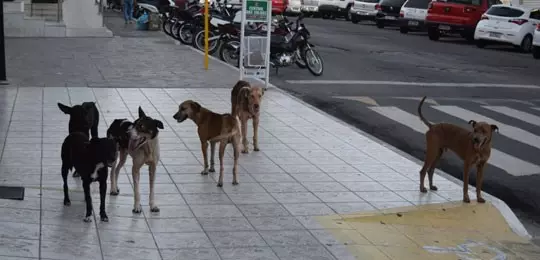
[510,217]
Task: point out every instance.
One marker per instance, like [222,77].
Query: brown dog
[474,148]
[213,128]
[246,103]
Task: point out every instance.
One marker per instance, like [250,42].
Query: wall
[81,14]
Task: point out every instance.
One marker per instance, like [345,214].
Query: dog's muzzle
[135,143]
[180,118]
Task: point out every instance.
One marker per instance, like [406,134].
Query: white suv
[413,15]
[310,7]
[335,8]
[364,10]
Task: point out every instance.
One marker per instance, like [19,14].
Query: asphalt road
[386,70]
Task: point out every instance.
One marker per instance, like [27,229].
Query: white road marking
[405,83]
[523,116]
[536,108]
[506,162]
[509,131]
[366,100]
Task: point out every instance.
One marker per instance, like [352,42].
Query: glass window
[419,4]
[535,14]
[504,11]
[464,2]
[369,1]
[393,2]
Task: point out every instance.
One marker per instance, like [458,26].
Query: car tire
[355,20]
[433,33]
[536,52]
[348,15]
[379,24]
[526,44]
[480,44]
[325,15]
[403,29]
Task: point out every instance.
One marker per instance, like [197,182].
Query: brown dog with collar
[246,104]
[474,148]
[213,128]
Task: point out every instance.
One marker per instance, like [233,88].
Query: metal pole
[3,46]
[268,37]
[242,36]
[205,34]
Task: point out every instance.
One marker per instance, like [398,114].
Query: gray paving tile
[113,253]
[275,223]
[373,196]
[338,197]
[309,209]
[236,239]
[312,177]
[124,224]
[283,187]
[350,207]
[225,224]
[20,215]
[364,186]
[247,253]
[66,250]
[180,211]
[19,230]
[182,240]
[251,198]
[263,210]
[19,247]
[207,198]
[209,211]
[127,238]
[190,253]
[329,186]
[295,197]
[174,225]
[288,237]
[87,233]
[302,253]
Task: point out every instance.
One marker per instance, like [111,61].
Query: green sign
[256,10]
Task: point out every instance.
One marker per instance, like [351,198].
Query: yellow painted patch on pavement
[436,231]
[365,100]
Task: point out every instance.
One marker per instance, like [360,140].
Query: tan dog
[474,148]
[213,128]
[246,104]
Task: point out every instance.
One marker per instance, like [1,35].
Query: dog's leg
[115,172]
[65,172]
[212,156]
[222,146]
[136,174]
[76,174]
[103,193]
[431,170]
[88,200]
[466,169]
[479,181]
[204,147]
[236,150]
[152,175]
[256,133]
[245,142]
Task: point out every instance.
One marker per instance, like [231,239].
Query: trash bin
[154,22]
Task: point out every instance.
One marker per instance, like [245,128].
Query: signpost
[253,47]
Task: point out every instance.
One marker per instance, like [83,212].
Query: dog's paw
[256,149]
[246,151]
[466,200]
[76,174]
[434,188]
[423,189]
[212,169]
[154,209]
[114,193]
[137,209]
[204,172]
[234,183]
[104,217]
[220,184]
[87,219]
[481,200]
[67,202]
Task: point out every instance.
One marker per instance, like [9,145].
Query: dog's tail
[237,130]
[426,122]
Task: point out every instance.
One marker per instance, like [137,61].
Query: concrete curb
[512,220]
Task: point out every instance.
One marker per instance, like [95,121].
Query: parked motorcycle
[284,50]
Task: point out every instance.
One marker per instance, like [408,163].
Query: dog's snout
[256,106]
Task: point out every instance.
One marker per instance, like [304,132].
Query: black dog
[91,159]
[82,118]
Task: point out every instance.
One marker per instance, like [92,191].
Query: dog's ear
[141,113]
[196,107]
[494,128]
[159,124]
[64,108]
[472,122]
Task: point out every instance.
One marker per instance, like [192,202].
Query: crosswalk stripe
[508,163]
[523,116]
[509,131]
[536,108]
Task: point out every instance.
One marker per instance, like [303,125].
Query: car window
[393,2]
[494,2]
[419,4]
[504,11]
[464,2]
[535,14]
[369,1]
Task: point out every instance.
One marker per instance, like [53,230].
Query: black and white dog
[91,159]
[82,118]
[139,140]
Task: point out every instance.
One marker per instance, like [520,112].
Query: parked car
[310,7]
[388,13]
[455,16]
[294,7]
[279,6]
[335,8]
[509,25]
[536,43]
[413,15]
[364,10]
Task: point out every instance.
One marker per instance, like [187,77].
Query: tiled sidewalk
[309,165]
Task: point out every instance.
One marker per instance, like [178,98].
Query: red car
[279,6]
[455,16]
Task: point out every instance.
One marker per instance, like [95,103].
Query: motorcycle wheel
[314,62]
[185,33]
[300,60]
[198,42]
[228,55]
[174,30]
[167,26]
